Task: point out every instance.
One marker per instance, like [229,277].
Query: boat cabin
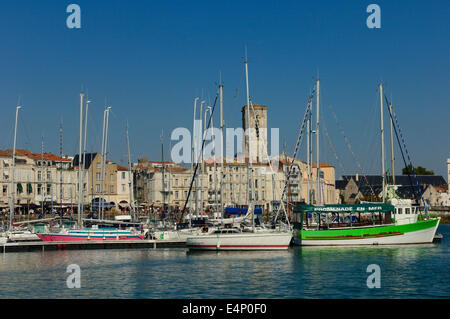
[342,216]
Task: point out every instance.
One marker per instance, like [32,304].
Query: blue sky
[149,59]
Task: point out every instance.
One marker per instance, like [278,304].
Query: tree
[419,170]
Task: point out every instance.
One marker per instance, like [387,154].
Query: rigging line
[347,142]
[299,138]
[332,148]
[407,154]
[194,175]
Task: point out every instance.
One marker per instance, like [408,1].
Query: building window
[97,188]
[49,189]
[5,190]
[49,175]
[111,189]
[39,189]
[98,165]
[39,175]
[123,187]
[111,177]
[97,176]
[123,175]
[176,195]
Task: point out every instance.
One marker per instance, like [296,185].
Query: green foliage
[419,170]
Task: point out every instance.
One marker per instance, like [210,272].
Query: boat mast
[103,159]
[169,179]
[203,162]
[193,159]
[83,170]
[162,177]
[382,141]
[106,152]
[250,166]
[11,201]
[200,175]
[318,197]
[79,159]
[213,138]
[392,146]
[130,180]
[102,155]
[222,208]
[60,165]
[308,163]
[43,175]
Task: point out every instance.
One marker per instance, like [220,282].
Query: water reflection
[308,272]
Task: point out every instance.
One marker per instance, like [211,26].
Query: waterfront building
[41,180]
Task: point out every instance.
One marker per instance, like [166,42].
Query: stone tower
[258,132]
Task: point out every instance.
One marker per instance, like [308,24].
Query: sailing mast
[61,166]
[80,179]
[382,141]
[250,166]
[11,201]
[130,180]
[83,170]
[103,159]
[193,159]
[392,145]
[162,176]
[222,208]
[318,197]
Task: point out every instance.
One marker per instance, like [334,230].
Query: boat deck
[85,245]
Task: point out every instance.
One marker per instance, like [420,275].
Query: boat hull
[421,232]
[254,241]
[95,236]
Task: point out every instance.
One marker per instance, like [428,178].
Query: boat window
[408,210]
[400,211]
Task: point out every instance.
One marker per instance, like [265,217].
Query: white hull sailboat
[250,238]
[234,239]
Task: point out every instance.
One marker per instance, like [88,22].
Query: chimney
[357,177]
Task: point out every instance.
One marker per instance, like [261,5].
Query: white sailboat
[244,237]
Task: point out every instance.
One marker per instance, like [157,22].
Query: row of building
[50,180]
[47,179]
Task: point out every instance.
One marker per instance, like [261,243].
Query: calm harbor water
[419,271]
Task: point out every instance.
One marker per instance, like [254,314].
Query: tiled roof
[38,156]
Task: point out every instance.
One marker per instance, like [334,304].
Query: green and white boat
[394,223]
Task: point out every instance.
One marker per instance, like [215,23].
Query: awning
[235,210]
[344,208]
[19,187]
